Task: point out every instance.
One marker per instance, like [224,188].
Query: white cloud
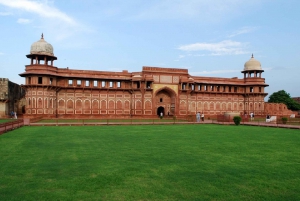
[268,69]
[48,19]
[5,13]
[225,47]
[243,30]
[23,21]
[38,7]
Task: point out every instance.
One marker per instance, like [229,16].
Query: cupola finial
[252,56]
[42,36]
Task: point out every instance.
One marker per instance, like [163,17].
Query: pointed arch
[103,105]
[61,103]
[148,105]
[70,104]
[218,107]
[126,104]
[119,104]
[78,104]
[111,104]
[40,103]
[138,105]
[95,104]
[87,104]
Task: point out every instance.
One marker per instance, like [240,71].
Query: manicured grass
[106,120]
[6,120]
[156,162]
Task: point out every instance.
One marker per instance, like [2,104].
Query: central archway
[161,110]
[165,100]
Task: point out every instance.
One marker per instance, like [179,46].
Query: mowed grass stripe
[155,162]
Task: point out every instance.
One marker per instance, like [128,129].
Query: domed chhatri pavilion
[64,92]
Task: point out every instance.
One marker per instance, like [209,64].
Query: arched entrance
[160,110]
[165,100]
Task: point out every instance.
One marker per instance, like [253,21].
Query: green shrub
[237,120]
[284,120]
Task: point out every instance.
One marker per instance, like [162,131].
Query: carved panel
[175,79]
[166,79]
[156,78]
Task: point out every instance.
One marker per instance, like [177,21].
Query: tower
[254,92]
[40,80]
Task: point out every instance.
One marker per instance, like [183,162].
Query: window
[95,84]
[79,83]
[51,80]
[229,89]
[148,85]
[218,88]
[251,89]
[235,89]
[259,89]
[103,84]
[70,82]
[205,87]
[111,84]
[211,88]
[161,100]
[119,84]
[138,85]
[183,86]
[40,80]
[199,87]
[193,87]
[87,83]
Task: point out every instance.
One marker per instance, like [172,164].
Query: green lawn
[6,120]
[106,120]
[155,162]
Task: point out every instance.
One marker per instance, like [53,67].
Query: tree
[284,97]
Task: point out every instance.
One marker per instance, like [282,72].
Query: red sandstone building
[64,92]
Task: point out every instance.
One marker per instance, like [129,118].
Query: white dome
[42,47]
[252,64]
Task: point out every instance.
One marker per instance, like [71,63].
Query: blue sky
[211,38]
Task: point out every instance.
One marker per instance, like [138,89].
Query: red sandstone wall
[277,109]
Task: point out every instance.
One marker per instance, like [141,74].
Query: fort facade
[62,92]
